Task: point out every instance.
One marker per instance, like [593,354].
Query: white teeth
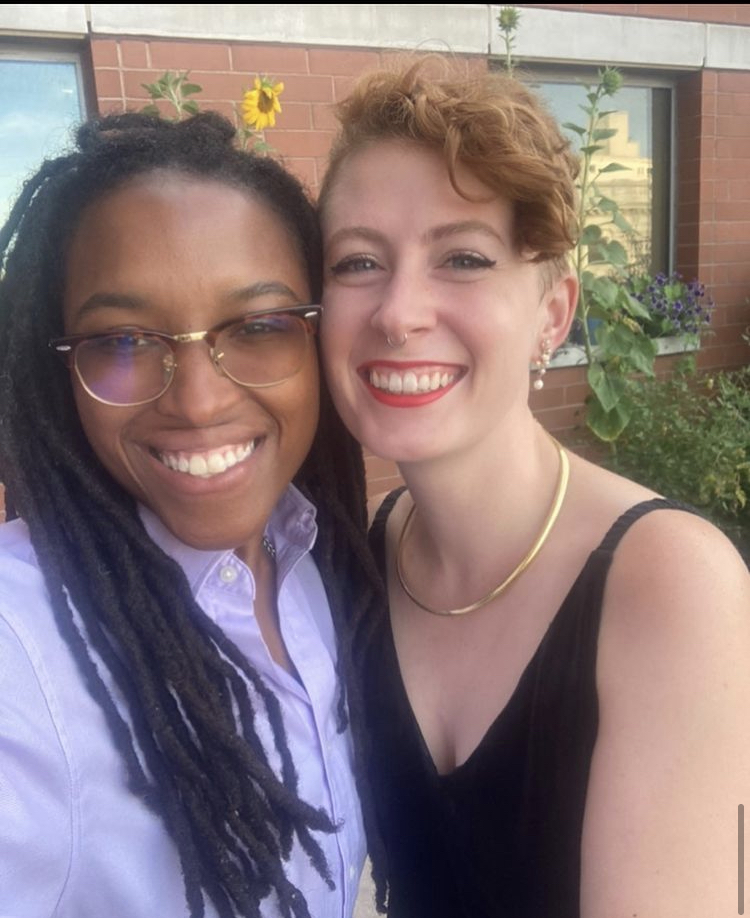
[409,383]
[216,463]
[198,465]
[206,465]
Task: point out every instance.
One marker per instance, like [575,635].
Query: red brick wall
[713,225]
[314,78]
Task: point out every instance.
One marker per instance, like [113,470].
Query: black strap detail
[621,525]
[376,535]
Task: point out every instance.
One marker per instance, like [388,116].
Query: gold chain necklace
[557,502]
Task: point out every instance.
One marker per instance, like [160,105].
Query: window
[41,100]
[641,115]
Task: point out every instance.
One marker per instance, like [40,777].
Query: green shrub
[689,439]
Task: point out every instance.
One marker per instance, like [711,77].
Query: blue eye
[468,261]
[354,264]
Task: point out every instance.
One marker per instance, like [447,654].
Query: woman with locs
[558,699]
[173,703]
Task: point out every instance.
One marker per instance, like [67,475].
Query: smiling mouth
[410,382]
[207,463]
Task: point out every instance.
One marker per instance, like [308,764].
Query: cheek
[104,427]
[340,332]
[303,408]
[94,420]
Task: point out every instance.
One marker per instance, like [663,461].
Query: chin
[402,449]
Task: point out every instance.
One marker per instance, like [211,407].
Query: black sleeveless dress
[500,836]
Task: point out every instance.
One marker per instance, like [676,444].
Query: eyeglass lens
[129,368]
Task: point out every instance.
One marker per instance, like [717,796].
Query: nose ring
[396,344]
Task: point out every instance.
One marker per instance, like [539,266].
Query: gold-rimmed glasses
[133,366]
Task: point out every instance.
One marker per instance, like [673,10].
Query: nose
[200,394]
[406,306]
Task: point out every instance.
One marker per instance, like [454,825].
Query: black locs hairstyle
[207,776]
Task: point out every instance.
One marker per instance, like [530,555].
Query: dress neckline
[567,607]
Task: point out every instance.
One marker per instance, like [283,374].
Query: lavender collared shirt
[74,842]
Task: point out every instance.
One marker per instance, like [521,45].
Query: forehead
[168,238]
[403,180]
[175,205]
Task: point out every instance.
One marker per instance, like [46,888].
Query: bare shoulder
[672,757]
[672,561]
[669,551]
[677,598]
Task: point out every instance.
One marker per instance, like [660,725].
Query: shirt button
[227,574]
[352,872]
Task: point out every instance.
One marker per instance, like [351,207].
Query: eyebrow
[262,288]
[462,226]
[435,234]
[356,232]
[137,303]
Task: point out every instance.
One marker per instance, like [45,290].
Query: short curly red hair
[491,124]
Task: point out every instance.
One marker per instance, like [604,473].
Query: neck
[474,524]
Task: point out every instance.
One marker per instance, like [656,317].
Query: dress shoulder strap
[621,525]
[376,534]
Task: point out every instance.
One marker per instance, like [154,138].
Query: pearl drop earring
[542,363]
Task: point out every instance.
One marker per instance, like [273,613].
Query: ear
[558,310]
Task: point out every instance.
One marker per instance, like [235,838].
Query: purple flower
[675,305]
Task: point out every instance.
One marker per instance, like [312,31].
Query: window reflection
[40,102]
[642,119]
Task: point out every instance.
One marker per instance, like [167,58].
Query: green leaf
[604,133]
[621,223]
[615,254]
[616,340]
[634,307]
[614,167]
[610,80]
[576,128]
[605,291]
[591,149]
[190,89]
[643,354]
[607,425]
[591,234]
[609,388]
[607,205]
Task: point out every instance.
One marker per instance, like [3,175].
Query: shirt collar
[292,523]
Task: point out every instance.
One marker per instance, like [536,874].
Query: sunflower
[259,105]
